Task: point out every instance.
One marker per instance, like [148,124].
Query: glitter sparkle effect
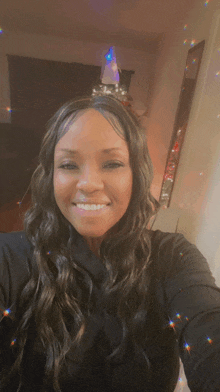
[210,340]
[187,347]
[5,313]
[13,342]
[172,324]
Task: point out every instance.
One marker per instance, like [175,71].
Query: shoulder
[166,242]
[172,252]
[16,263]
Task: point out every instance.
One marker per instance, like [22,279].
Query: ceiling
[139,24]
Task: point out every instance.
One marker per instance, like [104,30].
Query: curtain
[39,87]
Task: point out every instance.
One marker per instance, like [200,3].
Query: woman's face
[92,175]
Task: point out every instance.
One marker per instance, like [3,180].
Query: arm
[14,273]
[193,308]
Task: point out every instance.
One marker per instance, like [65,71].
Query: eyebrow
[106,150]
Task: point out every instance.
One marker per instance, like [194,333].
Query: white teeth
[90,206]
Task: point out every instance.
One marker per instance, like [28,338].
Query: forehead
[89,130]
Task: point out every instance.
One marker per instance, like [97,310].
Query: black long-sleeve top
[183,321]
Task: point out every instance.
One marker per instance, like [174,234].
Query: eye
[67,166]
[72,166]
[113,165]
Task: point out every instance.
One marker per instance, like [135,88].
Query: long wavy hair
[51,296]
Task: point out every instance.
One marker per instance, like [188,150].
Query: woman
[95,300]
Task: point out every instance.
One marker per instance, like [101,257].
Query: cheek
[62,187]
[125,188]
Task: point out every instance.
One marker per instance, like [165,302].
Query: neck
[94,244]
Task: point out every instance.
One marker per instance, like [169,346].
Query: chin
[91,233]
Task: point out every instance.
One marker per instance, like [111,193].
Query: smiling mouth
[90,207]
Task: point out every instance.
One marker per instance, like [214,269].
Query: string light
[181,254]
[210,340]
[1,31]
[185,27]
[185,42]
[193,42]
[206,3]
[8,109]
[48,253]
[178,316]
[217,73]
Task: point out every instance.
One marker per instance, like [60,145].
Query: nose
[90,180]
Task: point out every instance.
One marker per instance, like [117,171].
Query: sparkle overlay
[5,313]
[187,347]
[172,324]
[8,313]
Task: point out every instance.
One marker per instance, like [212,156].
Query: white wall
[195,200]
[195,203]
[59,49]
